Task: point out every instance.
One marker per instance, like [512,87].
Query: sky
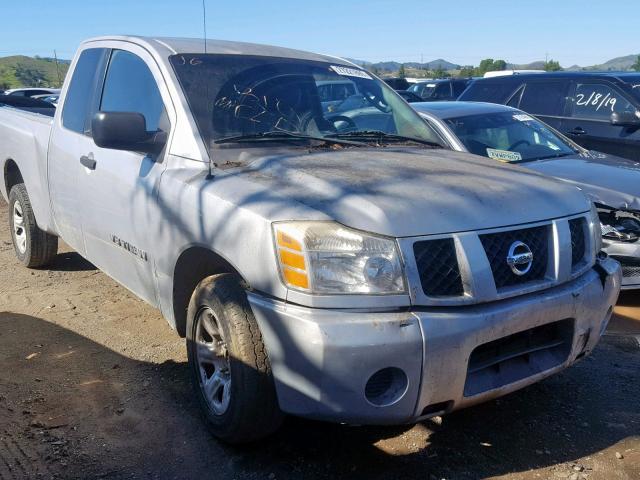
[460,31]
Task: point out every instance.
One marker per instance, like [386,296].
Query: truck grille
[496,246]
[577,226]
[459,268]
[438,267]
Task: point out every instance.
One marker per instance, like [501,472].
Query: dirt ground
[93,384]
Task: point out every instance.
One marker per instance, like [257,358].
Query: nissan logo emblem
[520,258]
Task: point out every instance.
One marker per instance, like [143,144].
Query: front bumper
[323,359]
[628,254]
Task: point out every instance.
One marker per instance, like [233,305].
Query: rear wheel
[34,247]
[229,366]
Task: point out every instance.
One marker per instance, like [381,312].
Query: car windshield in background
[424,90]
[509,137]
[236,98]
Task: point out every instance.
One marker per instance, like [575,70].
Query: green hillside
[20,71]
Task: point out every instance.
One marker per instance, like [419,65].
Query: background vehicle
[434,90]
[31,104]
[397,83]
[501,73]
[409,96]
[53,99]
[510,135]
[599,111]
[31,92]
[307,261]
[333,93]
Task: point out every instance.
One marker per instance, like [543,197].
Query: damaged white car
[510,135]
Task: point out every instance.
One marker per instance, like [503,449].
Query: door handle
[88,162]
[577,131]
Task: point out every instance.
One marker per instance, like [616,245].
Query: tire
[34,247]
[224,343]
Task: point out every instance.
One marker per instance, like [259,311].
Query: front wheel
[34,247]
[229,366]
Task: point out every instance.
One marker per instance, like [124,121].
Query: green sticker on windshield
[503,155]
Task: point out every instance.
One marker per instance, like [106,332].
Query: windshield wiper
[379,135]
[555,155]
[282,135]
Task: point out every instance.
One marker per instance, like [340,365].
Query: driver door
[118,189]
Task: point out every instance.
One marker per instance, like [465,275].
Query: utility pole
[55,56]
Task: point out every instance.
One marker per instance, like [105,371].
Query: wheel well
[193,265]
[12,175]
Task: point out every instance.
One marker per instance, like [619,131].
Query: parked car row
[321,247]
[600,111]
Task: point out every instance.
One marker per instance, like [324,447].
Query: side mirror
[126,131]
[625,119]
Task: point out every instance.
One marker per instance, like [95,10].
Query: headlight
[596,229]
[328,258]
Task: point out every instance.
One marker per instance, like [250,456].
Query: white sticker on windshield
[522,117]
[503,155]
[350,72]
[431,85]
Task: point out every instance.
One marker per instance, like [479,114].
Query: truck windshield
[238,98]
[509,137]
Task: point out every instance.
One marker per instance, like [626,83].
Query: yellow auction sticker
[503,155]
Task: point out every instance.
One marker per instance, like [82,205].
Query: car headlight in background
[329,258]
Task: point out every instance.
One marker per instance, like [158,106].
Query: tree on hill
[552,66]
[440,72]
[636,66]
[402,72]
[490,65]
[467,71]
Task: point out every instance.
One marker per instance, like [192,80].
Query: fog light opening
[386,387]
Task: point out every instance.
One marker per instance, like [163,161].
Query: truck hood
[409,192]
[606,179]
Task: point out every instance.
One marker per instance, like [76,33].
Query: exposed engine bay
[619,225]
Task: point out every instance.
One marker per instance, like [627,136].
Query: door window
[458,88]
[598,101]
[81,90]
[443,90]
[544,98]
[130,87]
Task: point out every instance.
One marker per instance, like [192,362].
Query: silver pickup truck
[324,263]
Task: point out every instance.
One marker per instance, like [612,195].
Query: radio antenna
[204,31]
[204,23]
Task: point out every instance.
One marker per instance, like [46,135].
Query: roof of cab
[446,110]
[167,46]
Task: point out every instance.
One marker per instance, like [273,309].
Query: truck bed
[24,139]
